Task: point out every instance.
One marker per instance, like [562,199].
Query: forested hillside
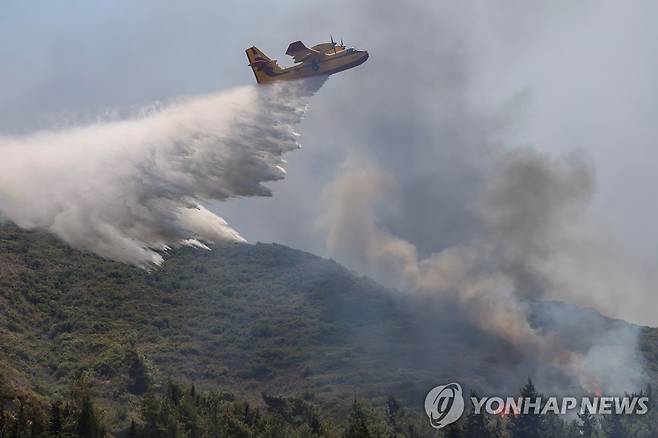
[241,319]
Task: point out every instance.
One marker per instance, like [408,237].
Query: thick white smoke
[128,189]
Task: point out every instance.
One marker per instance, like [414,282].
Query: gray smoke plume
[438,204]
[128,189]
[526,205]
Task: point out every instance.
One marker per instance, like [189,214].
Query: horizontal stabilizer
[265,69]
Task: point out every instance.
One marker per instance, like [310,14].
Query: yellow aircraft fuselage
[322,59]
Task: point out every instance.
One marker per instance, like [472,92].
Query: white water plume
[127,190]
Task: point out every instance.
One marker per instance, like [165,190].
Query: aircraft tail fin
[265,69]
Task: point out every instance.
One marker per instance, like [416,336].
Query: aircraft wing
[300,52]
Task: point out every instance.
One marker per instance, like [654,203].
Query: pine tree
[392,410]
[555,427]
[3,423]
[475,425]
[20,423]
[150,415]
[36,422]
[528,425]
[174,392]
[86,421]
[497,428]
[55,421]
[453,431]
[132,432]
[358,425]
[138,374]
[613,426]
[587,426]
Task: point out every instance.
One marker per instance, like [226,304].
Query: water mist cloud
[128,189]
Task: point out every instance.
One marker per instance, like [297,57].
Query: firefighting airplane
[321,59]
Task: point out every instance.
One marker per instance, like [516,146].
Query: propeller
[333,44]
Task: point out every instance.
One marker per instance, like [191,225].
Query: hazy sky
[445,83]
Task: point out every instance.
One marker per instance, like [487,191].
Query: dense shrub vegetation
[253,320]
[247,318]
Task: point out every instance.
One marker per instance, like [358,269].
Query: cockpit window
[350,50]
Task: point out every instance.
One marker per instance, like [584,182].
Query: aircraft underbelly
[326,67]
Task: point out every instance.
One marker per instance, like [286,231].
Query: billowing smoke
[129,189]
[438,203]
[528,206]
